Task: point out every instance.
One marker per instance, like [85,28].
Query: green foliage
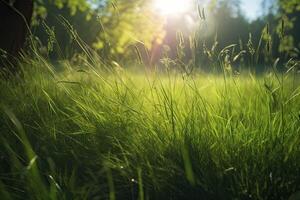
[54,36]
[126,23]
[290,6]
[41,6]
[113,28]
[289,11]
[116,29]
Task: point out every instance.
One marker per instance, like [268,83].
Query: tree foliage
[49,29]
[41,6]
[111,27]
[127,23]
[116,27]
[287,29]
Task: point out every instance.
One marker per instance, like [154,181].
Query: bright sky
[251,8]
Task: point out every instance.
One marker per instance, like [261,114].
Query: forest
[149,99]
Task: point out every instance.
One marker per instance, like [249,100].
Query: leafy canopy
[126,23]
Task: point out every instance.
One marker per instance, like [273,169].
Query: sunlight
[172,7]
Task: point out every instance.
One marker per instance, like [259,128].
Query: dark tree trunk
[14,25]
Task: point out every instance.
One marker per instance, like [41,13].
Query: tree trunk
[14,25]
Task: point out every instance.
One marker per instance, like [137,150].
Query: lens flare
[172,7]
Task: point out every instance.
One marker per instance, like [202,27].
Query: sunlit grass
[126,135]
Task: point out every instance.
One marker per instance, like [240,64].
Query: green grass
[123,135]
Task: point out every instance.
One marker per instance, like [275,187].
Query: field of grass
[120,135]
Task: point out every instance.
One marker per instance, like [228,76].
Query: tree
[55,39]
[114,27]
[288,26]
[128,23]
[41,7]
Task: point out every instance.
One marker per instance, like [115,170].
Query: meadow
[118,134]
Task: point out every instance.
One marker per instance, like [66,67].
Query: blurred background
[117,29]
